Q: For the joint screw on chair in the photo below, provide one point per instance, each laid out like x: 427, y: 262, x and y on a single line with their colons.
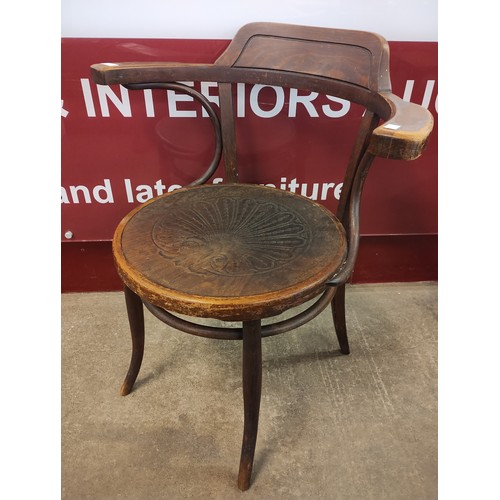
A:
x: 68, y: 235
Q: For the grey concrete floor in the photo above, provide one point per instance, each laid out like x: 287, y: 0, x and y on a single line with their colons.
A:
x: 362, y: 426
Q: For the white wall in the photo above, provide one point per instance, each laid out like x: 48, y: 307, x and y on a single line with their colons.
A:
x: 403, y: 20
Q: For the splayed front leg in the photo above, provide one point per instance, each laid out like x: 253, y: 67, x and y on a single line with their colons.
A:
x: 252, y: 383
x: 135, y: 313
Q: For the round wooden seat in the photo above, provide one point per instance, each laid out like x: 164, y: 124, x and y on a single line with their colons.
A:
x: 232, y: 251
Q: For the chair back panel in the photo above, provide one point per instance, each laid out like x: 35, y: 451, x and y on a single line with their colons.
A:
x: 348, y: 56
x: 315, y: 58
x: 350, y: 64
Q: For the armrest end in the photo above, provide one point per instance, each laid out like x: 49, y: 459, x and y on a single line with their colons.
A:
x: 405, y: 134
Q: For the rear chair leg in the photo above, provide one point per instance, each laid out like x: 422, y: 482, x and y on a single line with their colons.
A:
x: 135, y: 313
x: 338, y: 310
x: 252, y: 383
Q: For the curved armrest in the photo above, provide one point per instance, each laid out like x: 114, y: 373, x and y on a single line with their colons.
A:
x: 148, y: 72
x: 405, y: 133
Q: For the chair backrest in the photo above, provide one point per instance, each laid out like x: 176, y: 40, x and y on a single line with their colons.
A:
x: 264, y: 50
x: 351, y: 65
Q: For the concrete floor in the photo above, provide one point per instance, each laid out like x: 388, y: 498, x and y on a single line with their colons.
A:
x: 362, y: 426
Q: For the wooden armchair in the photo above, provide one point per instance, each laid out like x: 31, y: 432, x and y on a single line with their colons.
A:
x: 243, y: 252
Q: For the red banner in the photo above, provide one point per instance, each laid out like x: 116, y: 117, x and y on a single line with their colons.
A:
x: 120, y: 148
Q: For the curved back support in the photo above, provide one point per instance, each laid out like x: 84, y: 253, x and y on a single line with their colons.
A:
x: 345, y: 63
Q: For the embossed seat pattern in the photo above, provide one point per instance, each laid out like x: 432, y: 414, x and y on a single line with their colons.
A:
x: 232, y: 240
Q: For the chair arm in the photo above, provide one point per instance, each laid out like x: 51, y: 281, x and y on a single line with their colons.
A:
x: 149, y: 72
x: 405, y: 133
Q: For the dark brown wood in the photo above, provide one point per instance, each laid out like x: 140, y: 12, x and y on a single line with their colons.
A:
x: 234, y: 333
x: 357, y: 57
x: 135, y: 313
x: 252, y: 383
x: 228, y: 133
x: 242, y: 252
x: 338, y: 310
x: 352, y: 222
x: 405, y: 134
x: 368, y: 124
x: 138, y: 72
x: 347, y: 63
x: 211, y: 113
x: 233, y: 252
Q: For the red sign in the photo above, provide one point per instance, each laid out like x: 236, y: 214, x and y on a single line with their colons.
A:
x: 120, y: 147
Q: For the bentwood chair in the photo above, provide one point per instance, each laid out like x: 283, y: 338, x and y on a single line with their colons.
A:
x: 243, y: 252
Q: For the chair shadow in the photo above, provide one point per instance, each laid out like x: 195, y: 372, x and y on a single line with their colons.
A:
x: 154, y: 373
x: 296, y: 359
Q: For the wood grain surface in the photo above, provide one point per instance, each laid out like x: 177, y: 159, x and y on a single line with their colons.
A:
x: 229, y: 250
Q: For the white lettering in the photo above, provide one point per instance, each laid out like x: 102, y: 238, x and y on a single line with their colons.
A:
x: 338, y: 191
x: 305, y: 100
x: 205, y: 90
x: 408, y: 90
x: 293, y: 185
x: 108, y: 197
x: 426, y: 99
x: 121, y: 103
x: 128, y: 190
x: 254, y: 101
x: 173, y: 98
x: 144, y: 193
x: 64, y: 196
x: 325, y: 188
x: 103, y: 193
x: 64, y: 112
x: 159, y: 187
x: 74, y: 193
x: 261, y: 104
x: 240, y: 100
x: 427, y: 93
x: 87, y: 97
x: 148, y: 102
x: 336, y: 113
x: 314, y: 195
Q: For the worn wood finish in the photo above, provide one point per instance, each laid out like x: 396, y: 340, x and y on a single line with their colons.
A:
x: 234, y: 252
x: 356, y: 57
x: 234, y: 333
x: 350, y: 64
x: 229, y: 132
x: 369, y: 122
x: 135, y: 313
x: 242, y: 252
x: 252, y: 383
x: 405, y: 133
x: 338, y: 311
x: 352, y: 222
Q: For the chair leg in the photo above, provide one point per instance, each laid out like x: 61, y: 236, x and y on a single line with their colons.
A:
x: 252, y: 383
x: 338, y: 310
x: 135, y: 313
